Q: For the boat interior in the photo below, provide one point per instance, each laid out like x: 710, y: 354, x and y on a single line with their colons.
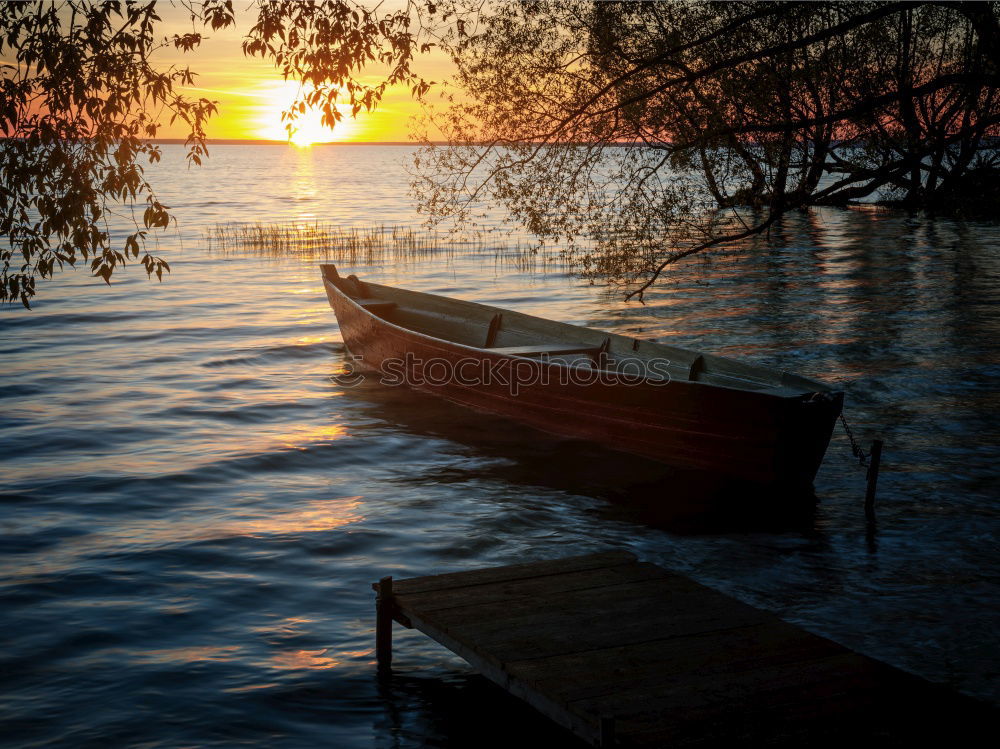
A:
x: 510, y: 333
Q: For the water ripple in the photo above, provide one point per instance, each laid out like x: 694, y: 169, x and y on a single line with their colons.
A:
x: 192, y: 511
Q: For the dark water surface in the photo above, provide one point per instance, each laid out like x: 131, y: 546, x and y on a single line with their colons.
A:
x: 192, y: 510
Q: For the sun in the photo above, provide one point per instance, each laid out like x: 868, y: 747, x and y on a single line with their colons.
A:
x: 309, y: 127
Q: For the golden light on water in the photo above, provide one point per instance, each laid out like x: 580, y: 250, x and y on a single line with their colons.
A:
x: 191, y: 654
x: 316, y: 660
x: 297, y: 659
x: 312, y: 517
x: 302, y: 660
x: 307, y: 437
x: 308, y: 127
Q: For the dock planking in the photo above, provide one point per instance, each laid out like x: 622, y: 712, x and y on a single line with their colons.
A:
x: 625, y: 653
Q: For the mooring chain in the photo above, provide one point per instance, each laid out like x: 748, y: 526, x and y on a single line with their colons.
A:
x: 860, y: 454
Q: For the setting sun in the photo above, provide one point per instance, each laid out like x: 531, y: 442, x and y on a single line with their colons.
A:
x: 308, y: 128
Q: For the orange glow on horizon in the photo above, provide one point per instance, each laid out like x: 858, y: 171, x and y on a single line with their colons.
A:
x: 308, y: 128
x: 251, y: 93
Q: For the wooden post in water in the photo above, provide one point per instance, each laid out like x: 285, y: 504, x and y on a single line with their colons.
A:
x: 383, y: 625
x: 874, y: 458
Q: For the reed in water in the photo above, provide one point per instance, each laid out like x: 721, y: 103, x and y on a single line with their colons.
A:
x: 371, y: 245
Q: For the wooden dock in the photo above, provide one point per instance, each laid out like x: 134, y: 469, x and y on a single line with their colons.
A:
x: 624, y: 653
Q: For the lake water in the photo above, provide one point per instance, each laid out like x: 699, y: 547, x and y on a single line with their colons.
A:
x: 192, y: 509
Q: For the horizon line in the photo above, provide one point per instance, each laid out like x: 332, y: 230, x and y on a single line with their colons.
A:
x: 269, y: 142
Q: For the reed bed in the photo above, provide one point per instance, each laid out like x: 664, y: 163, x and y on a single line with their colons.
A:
x: 371, y: 245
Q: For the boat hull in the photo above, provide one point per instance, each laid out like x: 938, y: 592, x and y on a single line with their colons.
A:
x: 753, y: 436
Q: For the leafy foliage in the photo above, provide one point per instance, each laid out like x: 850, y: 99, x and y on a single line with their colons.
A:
x: 327, y: 45
x: 80, y: 103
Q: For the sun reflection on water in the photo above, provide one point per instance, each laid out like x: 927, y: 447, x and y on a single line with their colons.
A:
x: 192, y: 654
x: 305, y: 437
x: 312, y: 660
x: 316, y: 660
x: 315, y: 516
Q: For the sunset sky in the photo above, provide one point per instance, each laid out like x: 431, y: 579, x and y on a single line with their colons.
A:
x: 252, y: 94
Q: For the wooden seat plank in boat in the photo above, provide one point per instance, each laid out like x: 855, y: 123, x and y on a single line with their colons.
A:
x: 554, y: 349
x: 376, y: 305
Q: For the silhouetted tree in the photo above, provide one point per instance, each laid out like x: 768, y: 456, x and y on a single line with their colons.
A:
x: 660, y: 130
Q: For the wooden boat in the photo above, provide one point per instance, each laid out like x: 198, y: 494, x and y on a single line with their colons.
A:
x: 678, y: 406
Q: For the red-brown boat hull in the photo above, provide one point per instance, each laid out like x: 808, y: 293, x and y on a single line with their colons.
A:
x: 747, y: 435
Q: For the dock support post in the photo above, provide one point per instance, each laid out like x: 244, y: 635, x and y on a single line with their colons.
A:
x: 607, y: 732
x: 383, y: 625
x: 874, y: 458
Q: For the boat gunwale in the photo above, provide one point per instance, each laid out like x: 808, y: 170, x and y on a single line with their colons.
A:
x: 766, y: 390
